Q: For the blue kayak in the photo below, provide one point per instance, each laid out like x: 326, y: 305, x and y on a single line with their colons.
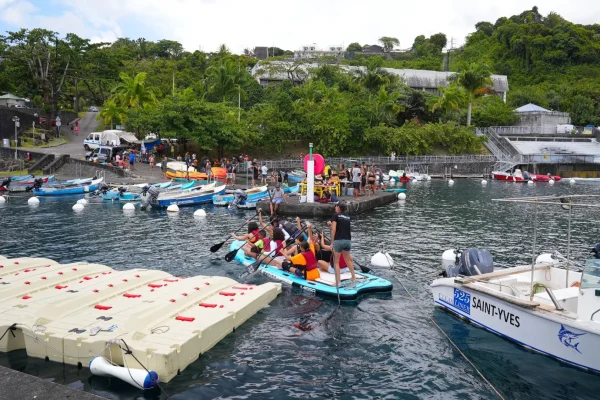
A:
x: 366, y: 283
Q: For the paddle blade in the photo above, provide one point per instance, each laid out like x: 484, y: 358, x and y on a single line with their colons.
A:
x: 217, y: 247
x: 365, y: 270
x: 254, y: 266
x: 231, y: 255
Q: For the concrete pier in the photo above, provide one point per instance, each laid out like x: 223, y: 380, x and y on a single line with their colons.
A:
x: 295, y: 208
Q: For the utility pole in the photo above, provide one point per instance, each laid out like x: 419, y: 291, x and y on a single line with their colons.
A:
x: 17, y: 124
x: 173, y: 83
x: 239, y: 93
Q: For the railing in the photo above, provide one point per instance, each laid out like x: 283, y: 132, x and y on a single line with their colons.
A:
x: 511, y: 130
x: 559, y: 159
x: 382, y: 161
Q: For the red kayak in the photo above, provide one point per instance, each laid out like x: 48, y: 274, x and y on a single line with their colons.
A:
x: 518, y: 176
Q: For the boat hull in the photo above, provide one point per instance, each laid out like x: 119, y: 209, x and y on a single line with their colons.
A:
x: 200, y: 198
x: 370, y: 283
x: 502, y: 176
x: 536, y: 330
x: 58, y: 191
x: 220, y: 200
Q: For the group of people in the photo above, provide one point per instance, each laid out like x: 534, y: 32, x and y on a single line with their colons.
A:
x: 302, y: 251
x: 362, y: 178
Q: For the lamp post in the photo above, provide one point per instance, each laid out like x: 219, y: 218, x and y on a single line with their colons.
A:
x: 310, y: 176
x: 17, y: 124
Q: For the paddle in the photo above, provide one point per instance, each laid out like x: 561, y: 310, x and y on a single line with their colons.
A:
x: 218, y: 246
x: 365, y: 270
x: 254, y: 266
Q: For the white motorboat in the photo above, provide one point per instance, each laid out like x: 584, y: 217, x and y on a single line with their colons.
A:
x: 546, y: 306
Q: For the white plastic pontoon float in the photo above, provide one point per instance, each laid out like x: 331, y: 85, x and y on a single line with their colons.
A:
x: 73, y: 313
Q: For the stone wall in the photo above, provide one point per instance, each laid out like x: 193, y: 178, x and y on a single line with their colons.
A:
x: 79, y: 168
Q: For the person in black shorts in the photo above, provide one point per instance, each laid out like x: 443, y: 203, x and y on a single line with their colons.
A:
x: 342, y: 240
x: 254, y: 173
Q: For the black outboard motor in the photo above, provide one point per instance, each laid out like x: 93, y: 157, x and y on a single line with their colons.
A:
x: 151, y: 193
x: 37, y: 184
x: 470, y: 263
x: 103, y: 188
x: 596, y: 250
x: 122, y: 191
x: 6, y: 183
x: 239, y: 196
x: 526, y: 176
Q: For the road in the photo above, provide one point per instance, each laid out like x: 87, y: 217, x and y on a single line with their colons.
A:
x: 74, y: 148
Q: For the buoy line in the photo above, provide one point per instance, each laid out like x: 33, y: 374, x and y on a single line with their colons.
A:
x: 448, y: 337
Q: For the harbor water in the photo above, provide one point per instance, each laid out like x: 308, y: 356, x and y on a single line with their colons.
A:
x: 382, y: 346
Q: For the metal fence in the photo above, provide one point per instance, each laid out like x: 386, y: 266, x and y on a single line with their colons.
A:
x: 380, y: 161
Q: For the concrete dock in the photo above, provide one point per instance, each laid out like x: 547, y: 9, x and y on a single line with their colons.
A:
x: 362, y: 204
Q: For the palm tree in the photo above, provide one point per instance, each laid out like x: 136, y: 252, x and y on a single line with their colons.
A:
x: 225, y: 80
x: 452, y: 99
x: 133, y: 92
x: 372, y: 77
x: 111, y: 112
x: 472, y: 78
x: 385, y: 107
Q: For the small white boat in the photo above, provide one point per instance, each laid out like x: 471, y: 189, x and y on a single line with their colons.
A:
x: 546, y: 306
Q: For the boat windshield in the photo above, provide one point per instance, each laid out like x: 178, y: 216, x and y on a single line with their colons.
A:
x: 590, y: 277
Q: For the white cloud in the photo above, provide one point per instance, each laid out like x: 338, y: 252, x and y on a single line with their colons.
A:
x: 286, y: 24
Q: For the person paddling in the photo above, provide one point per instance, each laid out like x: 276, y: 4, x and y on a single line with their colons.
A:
x: 342, y: 240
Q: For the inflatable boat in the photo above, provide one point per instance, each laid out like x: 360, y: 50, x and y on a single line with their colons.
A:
x: 325, y: 285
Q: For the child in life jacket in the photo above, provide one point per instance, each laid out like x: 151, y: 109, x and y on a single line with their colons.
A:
x: 251, y: 236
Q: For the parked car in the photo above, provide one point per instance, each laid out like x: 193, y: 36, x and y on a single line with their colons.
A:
x: 93, y: 109
x: 43, y: 121
x: 19, y: 106
x: 104, y: 153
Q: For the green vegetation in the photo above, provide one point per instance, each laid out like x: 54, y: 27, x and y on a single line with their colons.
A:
x: 212, y: 99
x: 549, y: 61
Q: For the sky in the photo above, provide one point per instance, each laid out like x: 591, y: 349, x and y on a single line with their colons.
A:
x: 205, y: 24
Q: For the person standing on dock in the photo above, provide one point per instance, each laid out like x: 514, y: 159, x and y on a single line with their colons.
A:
x: 342, y: 239
x: 264, y: 171
x: 355, y: 181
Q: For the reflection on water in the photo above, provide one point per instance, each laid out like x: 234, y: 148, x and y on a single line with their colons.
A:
x: 303, y: 346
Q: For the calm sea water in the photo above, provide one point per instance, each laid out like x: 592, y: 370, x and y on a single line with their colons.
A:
x: 382, y: 347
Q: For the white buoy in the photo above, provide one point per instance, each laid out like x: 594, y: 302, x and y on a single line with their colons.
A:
x: 382, y: 260
x: 484, y: 182
x: 137, y: 377
x: 33, y: 201
x: 82, y: 201
x: 450, y: 182
x: 551, y: 182
x: 2, y: 200
x: 128, y: 207
x: 572, y: 181
x: 78, y: 207
x: 173, y: 208
x: 401, y: 196
x: 530, y: 182
x: 428, y: 177
x: 200, y: 213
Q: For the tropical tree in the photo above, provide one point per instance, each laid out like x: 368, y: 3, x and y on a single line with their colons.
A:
x: 452, y: 99
x: 111, y: 112
x: 354, y: 48
x: 133, y: 92
x: 472, y: 78
x: 388, y: 43
x: 372, y: 76
x: 226, y: 79
x: 385, y: 107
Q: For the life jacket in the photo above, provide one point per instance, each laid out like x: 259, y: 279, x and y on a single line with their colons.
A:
x: 279, y: 247
x: 311, y: 260
x: 254, y: 238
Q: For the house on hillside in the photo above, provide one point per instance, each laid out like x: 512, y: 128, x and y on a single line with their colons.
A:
x: 10, y: 100
x: 312, y: 51
x: 539, y: 120
x: 373, y: 49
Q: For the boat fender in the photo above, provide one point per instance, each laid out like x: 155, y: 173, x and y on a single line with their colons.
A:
x: 136, y: 377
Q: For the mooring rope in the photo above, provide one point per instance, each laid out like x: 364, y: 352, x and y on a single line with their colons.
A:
x: 445, y: 334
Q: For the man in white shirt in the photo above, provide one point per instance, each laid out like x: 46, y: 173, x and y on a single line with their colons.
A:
x: 356, y: 181
x: 264, y: 171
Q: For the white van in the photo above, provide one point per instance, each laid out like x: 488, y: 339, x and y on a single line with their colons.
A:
x: 566, y: 128
x: 95, y: 139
